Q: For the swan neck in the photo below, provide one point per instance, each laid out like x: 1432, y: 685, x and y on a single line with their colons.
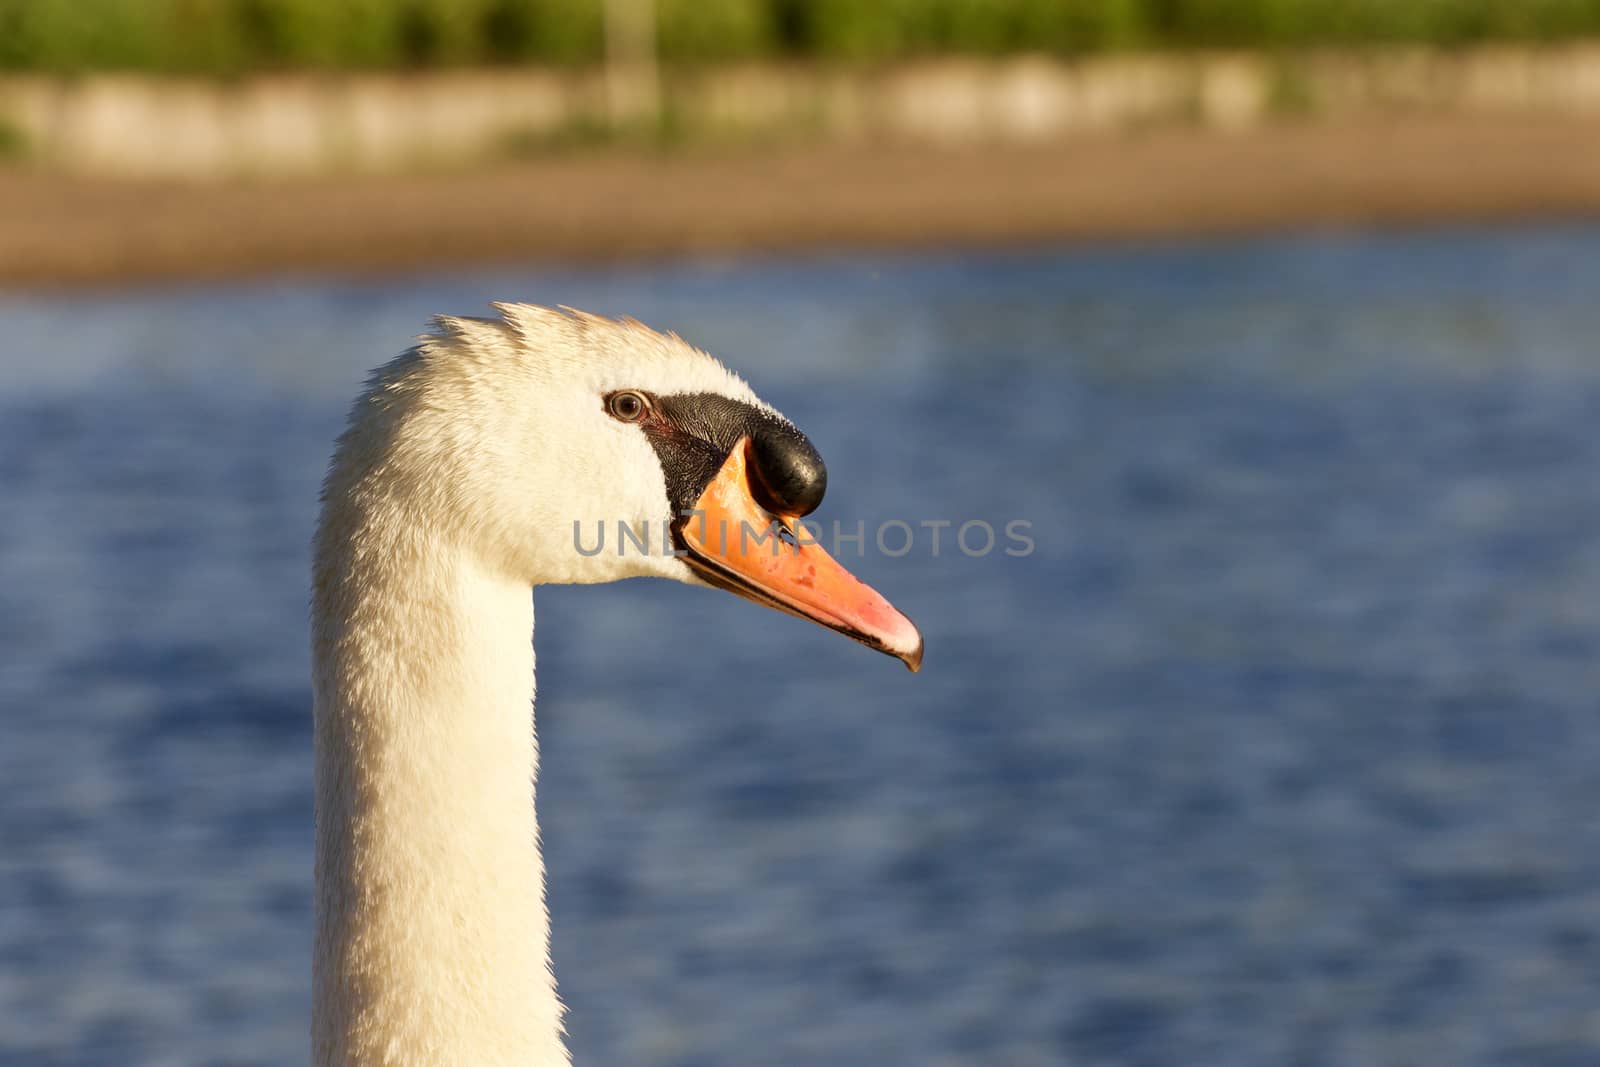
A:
x: 432, y: 941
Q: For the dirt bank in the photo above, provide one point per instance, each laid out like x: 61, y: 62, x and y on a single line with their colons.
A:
x: 56, y: 230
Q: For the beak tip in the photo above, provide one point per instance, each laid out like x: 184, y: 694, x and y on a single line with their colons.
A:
x: 912, y: 657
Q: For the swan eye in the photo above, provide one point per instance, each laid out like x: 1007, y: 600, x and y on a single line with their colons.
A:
x: 627, y: 406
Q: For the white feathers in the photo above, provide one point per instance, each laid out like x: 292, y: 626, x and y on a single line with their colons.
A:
x: 564, y: 344
x: 467, y: 463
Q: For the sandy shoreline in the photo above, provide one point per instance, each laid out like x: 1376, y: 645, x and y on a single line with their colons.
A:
x: 56, y: 230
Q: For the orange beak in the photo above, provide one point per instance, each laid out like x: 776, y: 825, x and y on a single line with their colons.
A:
x: 736, y: 544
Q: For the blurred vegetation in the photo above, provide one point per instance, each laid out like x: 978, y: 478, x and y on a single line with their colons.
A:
x: 236, y: 36
x: 13, y: 142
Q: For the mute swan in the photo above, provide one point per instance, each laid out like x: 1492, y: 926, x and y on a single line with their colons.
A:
x: 454, y: 489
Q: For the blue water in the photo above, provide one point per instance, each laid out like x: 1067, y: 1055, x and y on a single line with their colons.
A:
x: 1279, y: 749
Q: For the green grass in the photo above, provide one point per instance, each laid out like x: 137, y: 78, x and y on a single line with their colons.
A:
x: 224, y: 37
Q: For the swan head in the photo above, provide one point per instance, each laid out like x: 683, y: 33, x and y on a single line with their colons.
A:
x: 562, y: 447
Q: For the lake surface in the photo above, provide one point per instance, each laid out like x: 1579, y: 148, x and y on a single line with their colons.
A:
x: 1280, y: 747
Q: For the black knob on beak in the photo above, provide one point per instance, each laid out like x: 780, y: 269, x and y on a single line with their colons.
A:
x: 789, y: 471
